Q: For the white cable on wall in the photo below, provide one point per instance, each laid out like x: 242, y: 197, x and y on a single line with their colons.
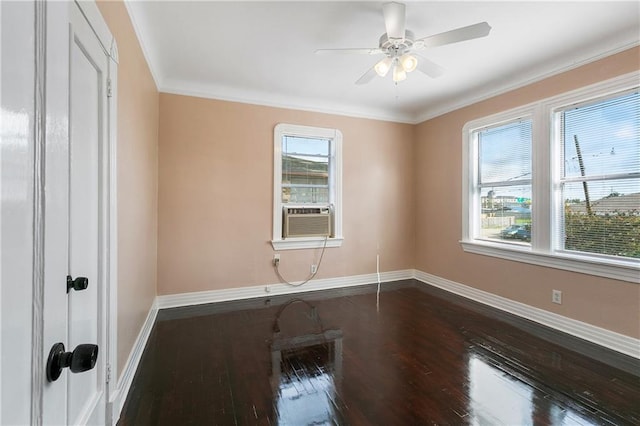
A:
x: 378, y: 274
x: 277, y: 265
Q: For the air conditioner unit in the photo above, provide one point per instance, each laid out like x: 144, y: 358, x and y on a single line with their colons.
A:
x: 307, y: 222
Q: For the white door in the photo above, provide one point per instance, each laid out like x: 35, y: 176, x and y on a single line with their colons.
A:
x: 76, y: 229
x: 57, y: 216
x: 16, y: 209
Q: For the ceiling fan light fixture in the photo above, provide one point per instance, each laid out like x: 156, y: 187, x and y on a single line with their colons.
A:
x: 383, y: 67
x: 408, y: 62
x: 399, y: 73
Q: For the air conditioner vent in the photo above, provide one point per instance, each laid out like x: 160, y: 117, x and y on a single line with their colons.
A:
x: 306, y: 222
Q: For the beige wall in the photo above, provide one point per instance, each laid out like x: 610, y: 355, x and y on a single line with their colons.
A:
x: 137, y: 180
x: 216, y: 186
x: 606, y: 303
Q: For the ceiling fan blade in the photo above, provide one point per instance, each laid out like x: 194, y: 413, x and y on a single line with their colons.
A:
x: 429, y: 67
x: 394, y: 19
x: 470, y: 32
x: 367, y: 76
x: 358, y: 51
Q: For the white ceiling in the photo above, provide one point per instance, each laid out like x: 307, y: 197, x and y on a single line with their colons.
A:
x: 263, y: 52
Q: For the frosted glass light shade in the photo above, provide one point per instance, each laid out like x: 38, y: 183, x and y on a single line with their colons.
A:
x: 409, y: 62
x: 382, y: 67
x: 399, y: 73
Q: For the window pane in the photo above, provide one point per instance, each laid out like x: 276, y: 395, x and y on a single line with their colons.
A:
x: 609, y: 223
x: 304, y: 195
x: 297, y: 170
x: 506, y: 213
x: 602, y: 139
x: 607, y: 135
x: 505, y: 152
x: 312, y: 146
x: 305, y: 163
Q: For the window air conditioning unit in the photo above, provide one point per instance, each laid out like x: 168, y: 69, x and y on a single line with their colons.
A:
x: 307, y: 222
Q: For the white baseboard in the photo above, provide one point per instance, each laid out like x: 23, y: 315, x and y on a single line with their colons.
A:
x: 600, y: 336
x: 201, y: 297
x: 118, y: 399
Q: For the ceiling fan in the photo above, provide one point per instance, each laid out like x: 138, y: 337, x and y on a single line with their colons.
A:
x: 399, y: 46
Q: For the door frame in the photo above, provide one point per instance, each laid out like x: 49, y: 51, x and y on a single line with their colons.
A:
x: 96, y: 21
x: 43, y: 67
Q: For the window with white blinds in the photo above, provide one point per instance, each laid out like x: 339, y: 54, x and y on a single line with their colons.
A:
x: 600, y: 176
x: 557, y: 182
x: 305, y: 170
x: 504, y: 181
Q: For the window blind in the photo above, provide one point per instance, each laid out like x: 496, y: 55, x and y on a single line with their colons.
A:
x: 504, y: 181
x: 600, y: 176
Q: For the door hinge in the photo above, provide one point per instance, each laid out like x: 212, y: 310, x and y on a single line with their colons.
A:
x: 108, y: 375
x: 109, y: 91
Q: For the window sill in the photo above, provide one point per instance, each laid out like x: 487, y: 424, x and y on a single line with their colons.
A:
x: 624, y: 270
x: 305, y: 243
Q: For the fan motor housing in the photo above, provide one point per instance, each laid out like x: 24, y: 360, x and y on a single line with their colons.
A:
x: 395, y: 44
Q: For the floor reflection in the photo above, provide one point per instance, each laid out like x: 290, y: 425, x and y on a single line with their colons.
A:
x: 335, y: 358
x: 306, y: 368
x: 498, y: 396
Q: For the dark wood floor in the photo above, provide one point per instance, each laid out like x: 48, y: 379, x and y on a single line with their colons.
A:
x: 421, y: 357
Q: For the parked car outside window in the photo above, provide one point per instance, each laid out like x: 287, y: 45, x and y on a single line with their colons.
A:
x: 524, y: 233
x: 510, y: 231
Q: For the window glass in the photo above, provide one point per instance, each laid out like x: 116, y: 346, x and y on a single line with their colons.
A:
x: 504, y: 182
x: 505, y: 152
x: 506, y: 213
x: 600, y: 184
x: 305, y: 170
x: 606, y: 133
x: 609, y: 224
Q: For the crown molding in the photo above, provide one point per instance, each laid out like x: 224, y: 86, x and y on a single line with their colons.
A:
x: 274, y: 100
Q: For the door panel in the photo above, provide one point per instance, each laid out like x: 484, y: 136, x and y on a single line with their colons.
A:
x: 74, y: 220
x: 87, y: 83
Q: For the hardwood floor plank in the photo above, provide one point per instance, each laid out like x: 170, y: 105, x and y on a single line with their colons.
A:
x: 336, y: 357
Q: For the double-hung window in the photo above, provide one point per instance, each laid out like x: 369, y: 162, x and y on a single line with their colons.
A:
x: 305, y: 170
x: 307, y: 180
x: 599, y: 143
x: 504, y: 181
x: 557, y: 182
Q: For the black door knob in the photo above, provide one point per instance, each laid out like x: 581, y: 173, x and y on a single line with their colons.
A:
x: 78, y: 284
x: 82, y: 358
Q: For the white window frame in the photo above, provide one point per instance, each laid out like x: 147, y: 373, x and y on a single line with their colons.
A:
x: 543, y: 249
x: 335, y: 186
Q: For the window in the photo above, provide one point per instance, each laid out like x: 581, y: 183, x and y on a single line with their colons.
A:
x: 599, y: 179
x: 504, y: 181
x: 305, y: 170
x: 557, y: 183
x: 307, y: 174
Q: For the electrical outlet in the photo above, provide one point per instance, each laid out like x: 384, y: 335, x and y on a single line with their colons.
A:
x: 276, y: 259
x: 314, y: 268
x: 556, y: 297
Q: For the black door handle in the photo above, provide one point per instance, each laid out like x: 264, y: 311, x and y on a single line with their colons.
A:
x: 78, y: 284
x: 82, y: 358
